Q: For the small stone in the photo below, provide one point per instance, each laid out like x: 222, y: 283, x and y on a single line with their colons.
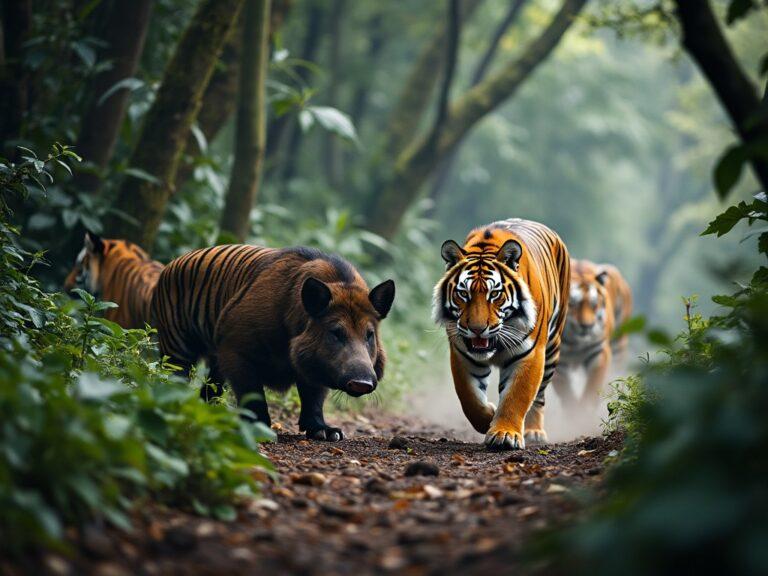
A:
x: 205, y: 529
x: 376, y: 486
x: 96, y: 543
x: 422, y: 468
x: 509, y: 499
x: 339, y: 511
x: 594, y: 471
x: 398, y: 443
x: 515, y: 457
x: 310, y: 479
x: 180, y: 538
x: 263, y: 504
x: 263, y: 535
x: 56, y: 565
x: 243, y: 554
x: 110, y: 569
x: 432, y: 492
x: 556, y: 489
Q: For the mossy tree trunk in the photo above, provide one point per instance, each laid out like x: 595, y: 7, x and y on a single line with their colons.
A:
x: 123, y: 35
x: 402, y: 185
x: 705, y: 42
x: 251, y: 122
x: 168, y: 121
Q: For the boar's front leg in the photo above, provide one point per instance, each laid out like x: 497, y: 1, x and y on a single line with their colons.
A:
x: 311, y: 417
x: 239, y: 372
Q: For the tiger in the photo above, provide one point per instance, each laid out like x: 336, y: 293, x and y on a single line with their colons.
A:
x: 600, y: 301
x: 116, y: 271
x: 503, y: 302
x: 270, y: 318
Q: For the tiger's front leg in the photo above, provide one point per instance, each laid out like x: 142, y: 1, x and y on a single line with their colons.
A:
x: 518, y: 387
x: 471, y: 382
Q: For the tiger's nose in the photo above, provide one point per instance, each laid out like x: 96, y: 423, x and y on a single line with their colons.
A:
x: 476, y: 329
x: 587, y: 327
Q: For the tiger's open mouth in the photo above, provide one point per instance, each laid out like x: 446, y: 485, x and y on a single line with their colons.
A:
x: 479, y: 344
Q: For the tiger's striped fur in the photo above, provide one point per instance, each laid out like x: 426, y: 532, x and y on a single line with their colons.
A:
x: 503, y: 302
x: 265, y: 317
x: 116, y: 271
x: 600, y: 301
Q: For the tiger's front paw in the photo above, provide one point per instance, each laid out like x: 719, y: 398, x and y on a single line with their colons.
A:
x: 499, y: 438
x: 535, y: 436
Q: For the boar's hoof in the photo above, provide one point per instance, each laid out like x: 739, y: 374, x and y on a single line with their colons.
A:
x: 328, y: 433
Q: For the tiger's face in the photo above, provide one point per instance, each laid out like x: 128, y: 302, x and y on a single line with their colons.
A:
x: 588, y: 303
x: 482, y: 301
x: 86, y: 272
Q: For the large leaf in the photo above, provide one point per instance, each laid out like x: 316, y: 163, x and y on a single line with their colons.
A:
x: 334, y: 121
x: 130, y: 84
x: 728, y: 170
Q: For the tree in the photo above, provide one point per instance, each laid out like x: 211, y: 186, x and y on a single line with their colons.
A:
x: 446, y: 167
x: 704, y: 41
x: 144, y: 194
x: 251, y: 121
x: 123, y: 34
x: 15, y: 21
x: 400, y: 187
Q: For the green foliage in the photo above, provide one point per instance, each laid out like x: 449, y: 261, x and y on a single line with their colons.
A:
x: 92, y: 420
x: 689, y: 492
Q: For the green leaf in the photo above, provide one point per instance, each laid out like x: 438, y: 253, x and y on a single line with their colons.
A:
x: 725, y: 300
x: 723, y: 223
x: 90, y: 386
x: 631, y: 326
x: 306, y: 120
x: 659, y: 337
x: 335, y: 121
x: 728, y: 170
x: 130, y: 84
x: 85, y: 52
x: 141, y: 175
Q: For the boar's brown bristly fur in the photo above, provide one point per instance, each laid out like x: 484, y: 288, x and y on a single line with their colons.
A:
x: 267, y: 317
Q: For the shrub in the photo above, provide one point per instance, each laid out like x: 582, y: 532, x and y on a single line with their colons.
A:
x: 92, y: 419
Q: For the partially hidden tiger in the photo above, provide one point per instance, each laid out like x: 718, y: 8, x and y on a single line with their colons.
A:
x: 503, y: 302
x: 269, y: 318
x: 116, y: 271
x: 600, y: 301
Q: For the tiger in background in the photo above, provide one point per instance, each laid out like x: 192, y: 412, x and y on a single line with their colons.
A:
x: 600, y: 302
x: 116, y: 271
x: 503, y: 301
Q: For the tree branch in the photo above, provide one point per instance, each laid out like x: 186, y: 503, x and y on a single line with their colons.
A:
x: 415, y: 163
x: 705, y: 43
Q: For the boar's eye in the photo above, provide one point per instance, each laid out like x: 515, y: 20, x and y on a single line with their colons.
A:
x: 339, y: 334
x: 369, y: 336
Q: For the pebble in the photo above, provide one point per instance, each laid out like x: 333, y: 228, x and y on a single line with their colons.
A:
x: 422, y: 468
x: 376, y: 486
x: 398, y: 443
x: 309, y: 479
x: 180, y: 538
x: 96, y: 543
x: 515, y: 457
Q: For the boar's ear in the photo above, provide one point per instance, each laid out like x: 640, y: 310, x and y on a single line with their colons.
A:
x: 451, y: 253
x: 93, y: 243
x: 315, y: 296
x: 382, y: 297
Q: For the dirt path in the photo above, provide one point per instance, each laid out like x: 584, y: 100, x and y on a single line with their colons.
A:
x: 354, y: 508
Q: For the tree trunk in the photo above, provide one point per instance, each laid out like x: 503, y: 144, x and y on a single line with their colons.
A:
x: 414, y: 100
x: 331, y: 152
x: 375, y: 34
x: 401, y: 188
x: 445, y: 169
x: 308, y: 54
x: 251, y: 122
x: 220, y: 97
x: 705, y: 43
x: 124, y: 33
x: 168, y: 121
x: 15, y: 21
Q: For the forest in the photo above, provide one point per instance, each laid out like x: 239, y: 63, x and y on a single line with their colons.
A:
x: 205, y: 202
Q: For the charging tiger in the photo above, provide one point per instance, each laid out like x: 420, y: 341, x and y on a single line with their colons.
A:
x: 116, y: 271
x: 600, y: 301
x: 503, y: 302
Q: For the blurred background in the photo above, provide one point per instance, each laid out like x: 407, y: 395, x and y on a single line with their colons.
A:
x: 387, y: 128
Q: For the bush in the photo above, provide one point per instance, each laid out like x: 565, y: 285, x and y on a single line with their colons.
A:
x: 689, y: 493
x: 92, y: 420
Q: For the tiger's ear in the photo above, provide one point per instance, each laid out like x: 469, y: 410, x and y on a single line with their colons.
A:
x: 510, y: 253
x: 93, y: 243
x: 602, y: 277
x: 451, y: 253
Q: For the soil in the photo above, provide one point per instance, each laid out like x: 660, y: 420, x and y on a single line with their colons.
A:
x: 397, y: 496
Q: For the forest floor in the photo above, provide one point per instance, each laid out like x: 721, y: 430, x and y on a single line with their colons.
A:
x: 397, y: 496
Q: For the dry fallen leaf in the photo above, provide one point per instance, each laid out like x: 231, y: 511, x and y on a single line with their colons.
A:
x: 584, y: 452
x: 309, y: 479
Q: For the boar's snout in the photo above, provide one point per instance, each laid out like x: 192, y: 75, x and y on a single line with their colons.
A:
x: 360, y: 386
